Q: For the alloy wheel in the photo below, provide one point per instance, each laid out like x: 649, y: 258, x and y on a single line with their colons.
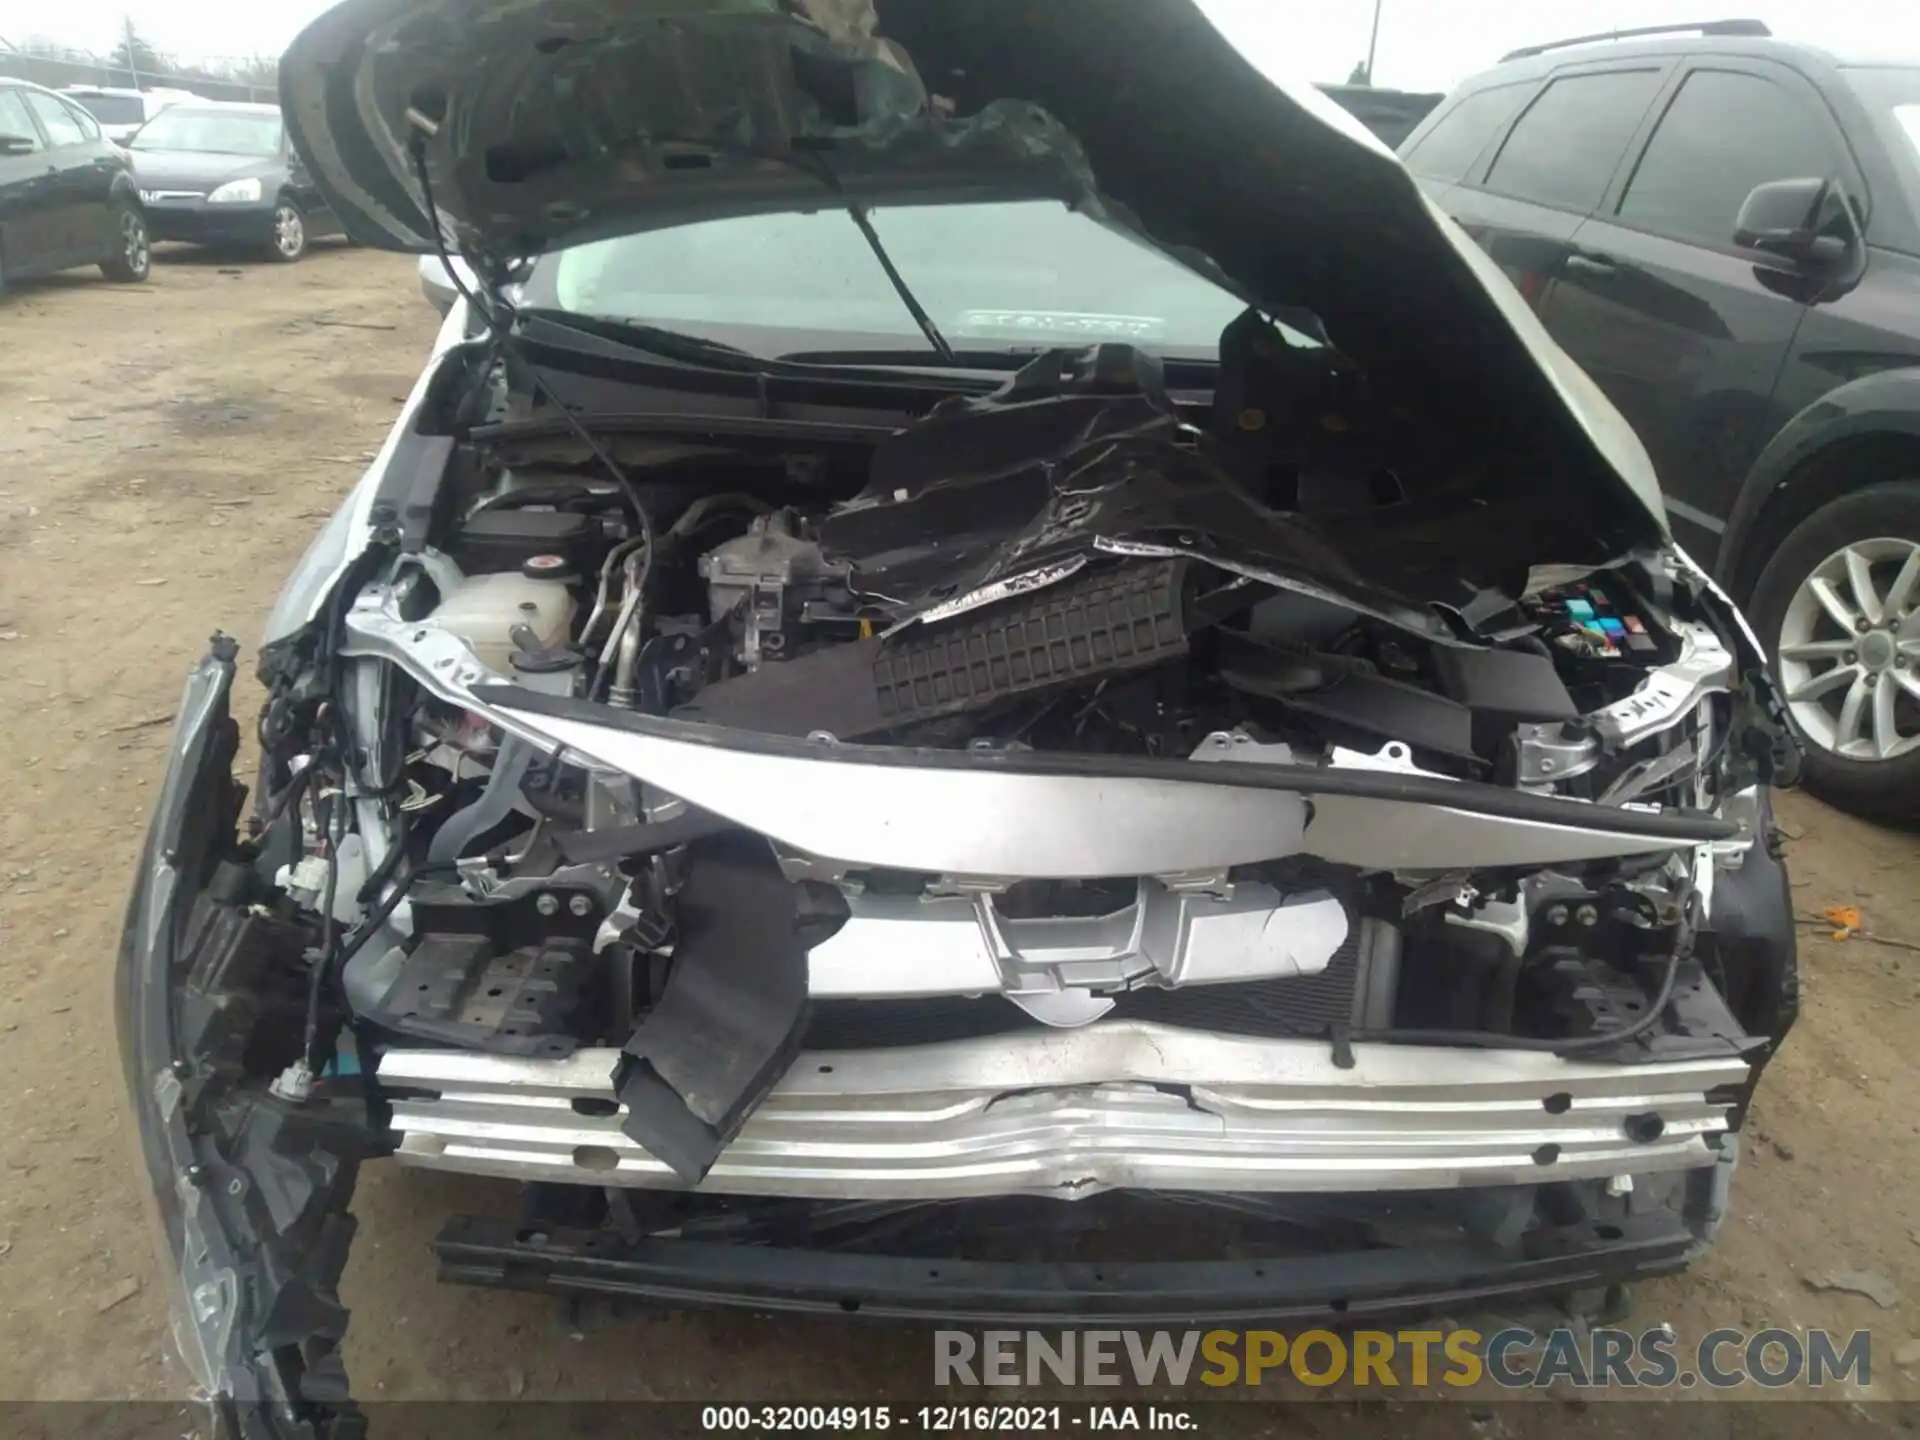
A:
x: 1849, y: 651
x: 289, y: 232
x: 135, y: 249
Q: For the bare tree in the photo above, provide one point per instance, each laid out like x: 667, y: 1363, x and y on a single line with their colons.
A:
x: 262, y: 72
x: 137, y: 58
x: 50, y: 49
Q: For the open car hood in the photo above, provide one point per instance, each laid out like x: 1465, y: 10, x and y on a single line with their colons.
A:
x: 545, y: 123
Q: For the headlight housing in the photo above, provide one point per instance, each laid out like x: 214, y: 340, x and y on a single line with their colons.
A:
x: 236, y: 192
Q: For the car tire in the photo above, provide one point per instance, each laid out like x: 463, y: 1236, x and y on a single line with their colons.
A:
x: 1838, y: 608
x: 289, y: 240
x: 132, y: 259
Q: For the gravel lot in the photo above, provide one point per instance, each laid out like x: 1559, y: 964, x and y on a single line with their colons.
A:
x: 166, y: 451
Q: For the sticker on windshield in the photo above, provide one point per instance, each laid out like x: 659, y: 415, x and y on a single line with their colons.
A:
x: 1065, y: 322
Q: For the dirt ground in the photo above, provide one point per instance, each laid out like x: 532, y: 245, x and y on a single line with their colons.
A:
x: 166, y: 451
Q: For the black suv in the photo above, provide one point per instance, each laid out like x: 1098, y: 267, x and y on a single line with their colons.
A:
x: 66, y: 194
x: 1723, y: 229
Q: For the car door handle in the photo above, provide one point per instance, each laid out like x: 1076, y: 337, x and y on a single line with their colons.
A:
x: 1582, y: 263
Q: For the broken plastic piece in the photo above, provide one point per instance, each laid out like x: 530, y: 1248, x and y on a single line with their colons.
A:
x: 733, y: 1012
x: 1341, y: 1034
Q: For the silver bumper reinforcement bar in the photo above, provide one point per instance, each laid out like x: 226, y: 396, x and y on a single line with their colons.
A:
x: 1071, y: 1113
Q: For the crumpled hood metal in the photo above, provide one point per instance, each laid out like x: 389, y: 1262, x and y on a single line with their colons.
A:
x: 552, y: 122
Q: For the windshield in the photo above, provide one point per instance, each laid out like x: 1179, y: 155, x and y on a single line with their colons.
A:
x: 1892, y: 92
x: 1024, y: 273
x: 112, y: 109
x: 217, y: 132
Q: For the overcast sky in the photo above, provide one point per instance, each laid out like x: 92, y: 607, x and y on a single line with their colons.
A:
x: 1424, y: 44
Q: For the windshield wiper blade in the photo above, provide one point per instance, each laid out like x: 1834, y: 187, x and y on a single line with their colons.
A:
x: 651, y: 342
x: 1183, y: 373
x: 668, y: 344
x: 1012, y: 358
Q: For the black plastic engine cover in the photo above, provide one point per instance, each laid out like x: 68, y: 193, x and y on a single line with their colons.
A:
x: 1345, y: 692
x: 1102, y: 622
x: 1509, y: 684
x: 947, y: 497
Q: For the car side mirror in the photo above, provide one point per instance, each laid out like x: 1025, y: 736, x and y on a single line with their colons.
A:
x: 1809, y: 221
x: 17, y: 145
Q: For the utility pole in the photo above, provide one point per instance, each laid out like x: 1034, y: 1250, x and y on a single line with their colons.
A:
x: 1373, y: 40
x: 133, y: 61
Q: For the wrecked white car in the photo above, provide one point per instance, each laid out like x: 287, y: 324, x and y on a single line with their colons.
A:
x: 983, y: 631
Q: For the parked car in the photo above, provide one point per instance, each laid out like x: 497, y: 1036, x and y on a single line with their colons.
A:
x: 66, y: 194
x: 220, y: 173
x: 1125, y: 671
x: 121, y: 111
x: 1724, y: 230
x: 437, y: 280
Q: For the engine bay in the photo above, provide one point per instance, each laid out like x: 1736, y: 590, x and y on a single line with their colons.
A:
x: 778, y: 628
x: 958, y: 587
x: 514, y: 782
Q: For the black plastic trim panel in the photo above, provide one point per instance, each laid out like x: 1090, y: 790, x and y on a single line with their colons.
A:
x: 1336, y: 1286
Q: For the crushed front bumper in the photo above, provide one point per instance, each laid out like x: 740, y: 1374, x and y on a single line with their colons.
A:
x: 1071, y: 1113
x: 1405, y: 1178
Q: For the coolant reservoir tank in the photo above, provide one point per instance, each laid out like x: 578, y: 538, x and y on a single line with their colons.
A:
x: 486, y: 609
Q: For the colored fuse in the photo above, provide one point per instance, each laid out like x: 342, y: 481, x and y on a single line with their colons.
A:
x: 1634, y: 624
x: 1579, y: 610
x: 1612, y: 626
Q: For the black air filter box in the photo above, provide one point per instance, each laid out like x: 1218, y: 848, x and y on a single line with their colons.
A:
x: 1098, y: 623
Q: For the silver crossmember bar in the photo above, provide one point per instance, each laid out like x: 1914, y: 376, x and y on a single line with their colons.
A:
x: 1070, y: 1113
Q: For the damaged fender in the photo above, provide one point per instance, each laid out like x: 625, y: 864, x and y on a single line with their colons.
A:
x: 250, y: 1191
